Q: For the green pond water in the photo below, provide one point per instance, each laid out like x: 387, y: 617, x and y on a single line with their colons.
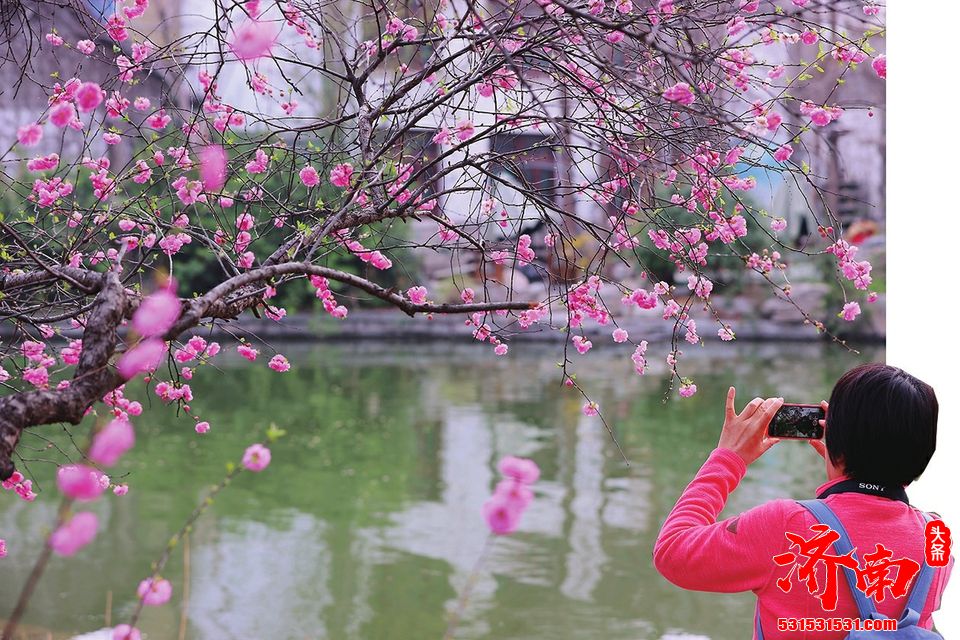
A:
x: 367, y: 522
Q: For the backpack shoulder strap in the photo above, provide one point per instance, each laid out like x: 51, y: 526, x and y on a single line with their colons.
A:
x: 825, y: 515
x: 921, y: 584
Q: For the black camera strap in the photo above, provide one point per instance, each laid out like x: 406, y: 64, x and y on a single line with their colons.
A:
x: 869, y: 488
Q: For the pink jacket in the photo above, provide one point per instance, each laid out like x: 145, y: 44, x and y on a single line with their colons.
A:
x: 694, y: 551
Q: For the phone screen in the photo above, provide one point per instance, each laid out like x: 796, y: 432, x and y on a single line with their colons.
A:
x: 797, y: 421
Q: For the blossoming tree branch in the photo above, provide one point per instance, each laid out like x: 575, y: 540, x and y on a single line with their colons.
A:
x: 342, y: 143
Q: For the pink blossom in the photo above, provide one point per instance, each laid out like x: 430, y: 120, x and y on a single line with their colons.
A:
x: 63, y: 114
x: 340, y: 175
x: 417, y: 295
x: 809, y: 37
x: 501, y: 349
x: 275, y: 313
x: 86, y: 47
x: 259, y: 162
x: 516, y: 493
x: 22, y: 486
x: 256, y: 457
x: 213, y: 167
x: 620, y: 335
x: 3, y: 548
x: 121, y: 489
x: 141, y: 103
x: 582, y: 344
x: 74, y: 534
x: 465, y: 130
x: 111, y: 442
x: 687, y: 390
x: 279, y: 363
x: 642, y: 298
x: 520, y: 469
x: 736, y: 25
x: 820, y: 117
x: 12, y: 481
x: 37, y: 376
x: 252, y: 39
x: 880, y: 65
x: 126, y: 68
x: 89, y: 96
x: 247, y: 352
x: 141, y: 50
x: 154, y: 592
x: 79, y: 482
x: 245, y: 222
x: 502, y: 514
x: 525, y: 255
x: 778, y: 224
x: 117, y: 28
x: 213, y: 349
x: 733, y: 155
x: 783, y: 153
x: 202, y: 427
x: 700, y: 285
x: 54, y: 39
x: 156, y: 313
x: 872, y: 296
x: 71, y: 353
x: 310, y: 177
x: 143, y: 172
x: 43, y: 163
x: 30, y: 134
x: 116, y: 104
x: 125, y: 632
x: 159, y: 120
x: 850, y: 311
x: 173, y: 243
x: 33, y: 351
x: 679, y: 93
x: 591, y: 409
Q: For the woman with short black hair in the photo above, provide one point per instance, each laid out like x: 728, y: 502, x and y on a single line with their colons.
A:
x: 880, y: 433
x: 886, y: 424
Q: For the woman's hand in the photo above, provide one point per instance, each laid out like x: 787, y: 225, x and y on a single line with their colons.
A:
x: 746, y: 434
x: 820, y: 446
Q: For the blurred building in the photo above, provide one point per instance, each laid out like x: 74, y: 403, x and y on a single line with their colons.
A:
x: 847, y: 158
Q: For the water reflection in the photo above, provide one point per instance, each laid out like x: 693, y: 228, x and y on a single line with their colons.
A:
x: 367, y: 523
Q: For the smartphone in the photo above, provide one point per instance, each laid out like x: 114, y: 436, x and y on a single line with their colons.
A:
x: 797, y: 421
